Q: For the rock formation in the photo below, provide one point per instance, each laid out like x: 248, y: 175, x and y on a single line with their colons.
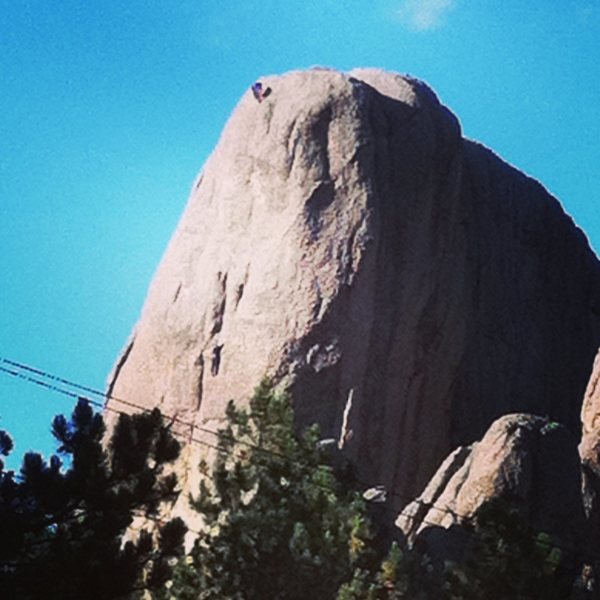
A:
x: 590, y: 420
x: 589, y: 450
x: 528, y: 461
x: 345, y: 239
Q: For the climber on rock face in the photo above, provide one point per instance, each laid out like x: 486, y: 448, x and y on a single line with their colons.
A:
x: 216, y: 359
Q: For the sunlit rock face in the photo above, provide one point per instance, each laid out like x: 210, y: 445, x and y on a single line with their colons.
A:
x: 590, y: 420
x: 407, y: 284
x: 589, y: 450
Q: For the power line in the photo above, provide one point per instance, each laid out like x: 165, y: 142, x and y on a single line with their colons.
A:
x: 55, y: 388
x: 47, y: 375
x: 189, y: 438
x: 41, y: 383
x: 95, y: 392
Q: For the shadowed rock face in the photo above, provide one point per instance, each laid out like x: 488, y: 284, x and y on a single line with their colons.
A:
x: 344, y: 238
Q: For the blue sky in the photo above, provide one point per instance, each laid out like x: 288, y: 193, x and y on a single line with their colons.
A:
x: 109, y: 109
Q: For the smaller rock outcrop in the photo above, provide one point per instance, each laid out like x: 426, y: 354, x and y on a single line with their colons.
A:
x: 526, y: 460
x: 589, y: 448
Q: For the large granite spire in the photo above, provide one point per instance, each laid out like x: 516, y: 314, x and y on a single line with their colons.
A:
x: 345, y: 239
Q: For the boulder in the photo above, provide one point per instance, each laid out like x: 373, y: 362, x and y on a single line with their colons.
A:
x: 589, y: 450
x: 590, y: 421
x: 529, y: 462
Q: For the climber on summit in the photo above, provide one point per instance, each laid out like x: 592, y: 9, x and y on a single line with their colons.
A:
x: 257, y: 90
x: 260, y: 92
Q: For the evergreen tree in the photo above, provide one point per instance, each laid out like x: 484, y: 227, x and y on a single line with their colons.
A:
x: 62, y: 528
x: 507, y: 559
x: 279, y: 525
x: 504, y: 559
x: 405, y: 574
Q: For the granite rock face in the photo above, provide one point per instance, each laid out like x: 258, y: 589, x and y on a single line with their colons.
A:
x: 528, y: 461
x: 407, y: 284
x: 590, y: 420
x: 589, y: 450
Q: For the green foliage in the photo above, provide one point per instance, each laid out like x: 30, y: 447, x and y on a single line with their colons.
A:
x: 504, y: 560
x: 508, y: 560
x: 6, y: 445
x: 62, y: 528
x: 278, y: 523
x: 405, y: 574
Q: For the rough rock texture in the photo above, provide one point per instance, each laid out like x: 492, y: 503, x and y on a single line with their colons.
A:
x: 589, y: 450
x: 529, y: 461
x: 344, y: 238
x: 590, y: 420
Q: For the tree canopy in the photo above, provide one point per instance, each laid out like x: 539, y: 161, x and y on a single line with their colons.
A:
x: 278, y: 521
x: 63, y: 521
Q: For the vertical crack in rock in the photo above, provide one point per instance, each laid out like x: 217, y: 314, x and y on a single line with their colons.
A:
x: 114, y: 376
x: 320, y: 197
x: 219, y: 304
x: 200, y: 386
x: 346, y: 433
x: 176, y: 295
x: 319, y: 143
x: 268, y: 109
x: 239, y: 291
x: 292, y: 141
x: 317, y: 314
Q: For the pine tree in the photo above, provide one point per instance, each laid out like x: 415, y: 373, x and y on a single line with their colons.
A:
x: 62, y: 527
x: 503, y: 559
x: 507, y: 559
x: 279, y: 525
x: 404, y: 574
